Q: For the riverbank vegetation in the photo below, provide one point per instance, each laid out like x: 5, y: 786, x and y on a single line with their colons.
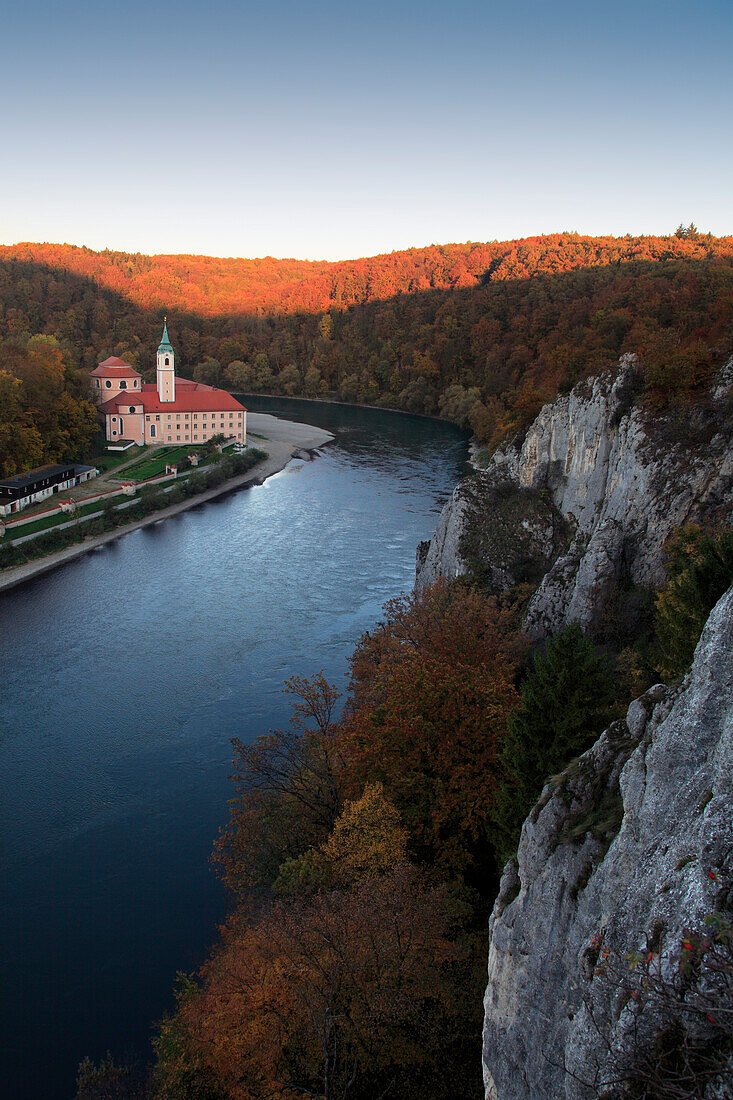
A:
x: 482, y: 334
x: 152, y: 498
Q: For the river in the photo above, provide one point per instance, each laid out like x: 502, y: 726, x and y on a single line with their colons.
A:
x: 123, y: 677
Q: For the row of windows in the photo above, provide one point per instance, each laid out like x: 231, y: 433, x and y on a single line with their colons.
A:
x: 195, y: 416
x: 178, y: 416
x: 169, y: 438
x: 188, y: 439
x: 122, y: 383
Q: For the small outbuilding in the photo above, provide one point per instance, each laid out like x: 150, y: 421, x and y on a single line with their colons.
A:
x: 22, y: 490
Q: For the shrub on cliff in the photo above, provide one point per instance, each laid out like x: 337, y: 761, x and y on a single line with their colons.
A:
x: 680, y: 1042
x: 700, y: 570
x: 566, y: 701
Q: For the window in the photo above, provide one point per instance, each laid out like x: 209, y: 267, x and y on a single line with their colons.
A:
x: 186, y: 416
x: 178, y: 416
x: 123, y: 384
x: 108, y: 384
x: 114, y: 433
x: 157, y: 416
x: 167, y: 360
x: 132, y: 408
x: 147, y: 418
x: 152, y: 431
x: 114, y: 419
x: 195, y: 437
x: 97, y: 383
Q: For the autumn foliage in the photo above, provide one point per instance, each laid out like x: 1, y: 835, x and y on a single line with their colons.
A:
x: 362, y: 848
x: 45, y: 414
x: 351, y: 966
x: 432, y: 691
x: 287, y: 790
x: 367, y: 840
x: 208, y: 285
x: 338, y: 994
x: 482, y: 334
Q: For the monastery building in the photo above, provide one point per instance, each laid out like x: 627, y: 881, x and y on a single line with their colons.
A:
x: 173, y: 410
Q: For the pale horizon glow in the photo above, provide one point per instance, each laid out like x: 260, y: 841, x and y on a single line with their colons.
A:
x: 339, y: 132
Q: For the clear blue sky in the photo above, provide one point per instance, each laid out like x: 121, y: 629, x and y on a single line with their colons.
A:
x: 335, y: 129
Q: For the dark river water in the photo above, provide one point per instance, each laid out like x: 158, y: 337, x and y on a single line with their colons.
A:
x: 123, y: 677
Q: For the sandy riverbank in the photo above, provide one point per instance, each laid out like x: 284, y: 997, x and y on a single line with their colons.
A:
x: 282, y: 439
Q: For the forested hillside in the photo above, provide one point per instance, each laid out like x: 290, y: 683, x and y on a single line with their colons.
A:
x: 482, y: 334
x: 212, y: 286
x: 45, y: 414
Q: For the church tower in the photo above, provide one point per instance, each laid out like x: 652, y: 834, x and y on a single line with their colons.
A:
x: 166, y: 367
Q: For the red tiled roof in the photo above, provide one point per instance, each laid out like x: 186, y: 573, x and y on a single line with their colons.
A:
x: 190, y: 397
x: 186, y: 383
x: 115, y: 368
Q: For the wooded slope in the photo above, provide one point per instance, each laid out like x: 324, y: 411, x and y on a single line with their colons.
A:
x: 482, y: 334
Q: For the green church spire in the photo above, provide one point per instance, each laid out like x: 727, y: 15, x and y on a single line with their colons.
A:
x: 165, y: 344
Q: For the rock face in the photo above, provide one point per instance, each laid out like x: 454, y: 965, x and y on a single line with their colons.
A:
x: 597, y: 467
x: 632, y: 844
x: 524, y: 536
x: 441, y: 557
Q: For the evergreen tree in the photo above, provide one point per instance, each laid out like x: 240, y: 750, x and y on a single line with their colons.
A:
x: 700, y: 570
x: 565, y: 703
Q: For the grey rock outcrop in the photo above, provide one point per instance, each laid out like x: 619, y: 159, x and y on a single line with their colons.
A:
x: 525, y: 533
x: 633, y: 843
x: 620, y: 483
x: 441, y: 557
x: 723, y: 385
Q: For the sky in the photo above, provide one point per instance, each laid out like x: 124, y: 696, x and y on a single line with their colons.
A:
x: 332, y: 130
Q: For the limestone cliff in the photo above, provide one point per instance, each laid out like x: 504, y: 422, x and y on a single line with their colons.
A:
x: 586, y: 500
x: 631, y: 845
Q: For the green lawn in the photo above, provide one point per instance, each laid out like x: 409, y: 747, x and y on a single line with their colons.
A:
x: 59, y: 517
x: 112, y: 459
x: 156, y: 464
